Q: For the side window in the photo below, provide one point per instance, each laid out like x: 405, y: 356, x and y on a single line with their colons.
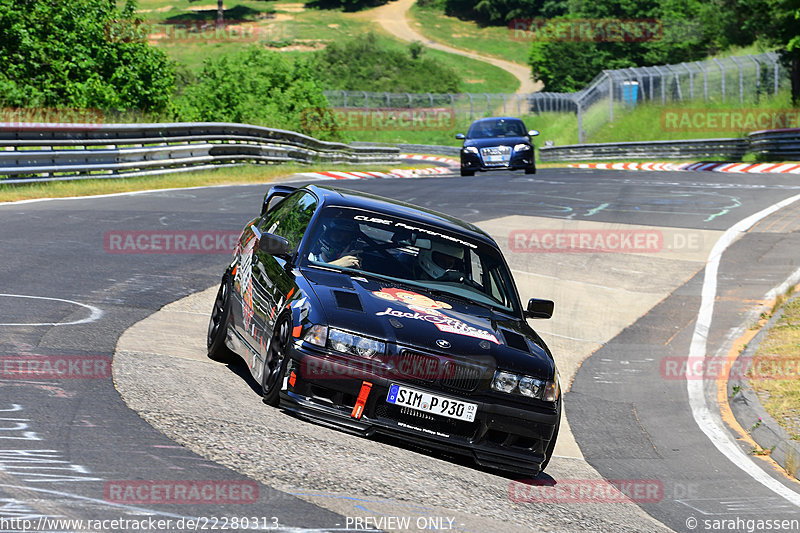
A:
x: 291, y: 218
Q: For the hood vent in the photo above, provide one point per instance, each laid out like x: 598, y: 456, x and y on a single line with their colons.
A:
x: 515, y: 340
x: 348, y: 300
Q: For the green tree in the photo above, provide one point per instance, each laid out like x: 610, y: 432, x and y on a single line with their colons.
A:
x: 80, y: 53
x: 783, y: 30
x: 681, y: 34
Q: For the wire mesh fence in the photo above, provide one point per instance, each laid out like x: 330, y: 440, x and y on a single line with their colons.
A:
x: 732, y: 79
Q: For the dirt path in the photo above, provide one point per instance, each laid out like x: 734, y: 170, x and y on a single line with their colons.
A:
x: 393, y: 18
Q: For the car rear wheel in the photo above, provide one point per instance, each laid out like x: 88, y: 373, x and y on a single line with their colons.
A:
x: 275, y: 362
x: 467, y: 172
x: 218, y: 324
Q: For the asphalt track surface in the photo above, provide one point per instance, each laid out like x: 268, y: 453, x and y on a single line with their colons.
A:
x: 64, y: 442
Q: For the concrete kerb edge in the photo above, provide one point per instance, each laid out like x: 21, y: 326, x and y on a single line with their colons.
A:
x: 748, y: 411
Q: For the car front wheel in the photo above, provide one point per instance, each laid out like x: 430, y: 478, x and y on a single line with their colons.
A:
x: 467, y: 172
x: 275, y: 362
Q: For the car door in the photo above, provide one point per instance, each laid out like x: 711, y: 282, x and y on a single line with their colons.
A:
x: 272, y: 282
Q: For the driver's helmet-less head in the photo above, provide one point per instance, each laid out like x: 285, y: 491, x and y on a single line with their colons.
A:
x: 336, y: 236
x: 440, y: 258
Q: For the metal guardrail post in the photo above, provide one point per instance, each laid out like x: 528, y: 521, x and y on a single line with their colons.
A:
x: 691, y: 80
x: 741, y: 79
x: 722, y: 78
x: 758, y: 76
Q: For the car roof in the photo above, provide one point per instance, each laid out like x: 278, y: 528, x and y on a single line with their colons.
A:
x: 336, y: 196
x: 495, y: 119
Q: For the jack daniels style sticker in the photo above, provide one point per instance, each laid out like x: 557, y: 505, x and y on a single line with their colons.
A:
x: 428, y: 310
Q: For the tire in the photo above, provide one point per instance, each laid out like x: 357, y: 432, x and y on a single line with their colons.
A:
x: 530, y: 170
x: 467, y: 172
x: 275, y: 362
x: 218, y: 324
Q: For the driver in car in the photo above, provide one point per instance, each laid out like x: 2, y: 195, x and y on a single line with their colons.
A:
x: 338, y: 244
x: 442, y: 262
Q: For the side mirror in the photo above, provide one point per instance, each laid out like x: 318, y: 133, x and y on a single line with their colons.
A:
x: 274, y: 245
x: 275, y: 194
x: 460, y: 136
x: 539, y: 308
x: 533, y: 133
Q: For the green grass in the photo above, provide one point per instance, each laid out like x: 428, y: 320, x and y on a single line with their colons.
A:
x: 645, y: 122
x: 781, y: 350
x: 222, y: 176
x: 493, y: 41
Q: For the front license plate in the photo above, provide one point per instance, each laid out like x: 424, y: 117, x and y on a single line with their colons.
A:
x: 431, y: 403
x: 496, y: 158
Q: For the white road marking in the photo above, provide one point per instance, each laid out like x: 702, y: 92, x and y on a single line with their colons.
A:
x: 96, y: 312
x: 708, y: 422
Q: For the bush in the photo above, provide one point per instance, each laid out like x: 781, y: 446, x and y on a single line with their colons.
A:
x: 254, y: 86
x: 363, y: 64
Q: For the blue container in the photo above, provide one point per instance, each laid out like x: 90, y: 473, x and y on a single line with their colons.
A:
x: 630, y: 93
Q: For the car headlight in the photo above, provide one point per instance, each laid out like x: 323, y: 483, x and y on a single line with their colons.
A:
x: 528, y: 386
x: 505, y: 382
x: 531, y: 387
x: 471, y: 149
x: 345, y: 342
x: 522, y: 147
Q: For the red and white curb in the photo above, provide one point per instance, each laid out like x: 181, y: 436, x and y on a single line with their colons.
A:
x: 395, y: 173
x: 440, y: 159
x: 747, y: 168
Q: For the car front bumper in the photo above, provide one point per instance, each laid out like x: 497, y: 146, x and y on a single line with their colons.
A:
x: 518, y: 161
x: 501, y: 436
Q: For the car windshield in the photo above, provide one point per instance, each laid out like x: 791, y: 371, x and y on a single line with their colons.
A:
x: 410, y: 252
x: 496, y: 128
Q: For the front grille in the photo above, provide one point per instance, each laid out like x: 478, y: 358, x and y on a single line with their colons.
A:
x: 427, y: 369
x: 461, y: 377
x: 496, y: 155
x: 418, y: 366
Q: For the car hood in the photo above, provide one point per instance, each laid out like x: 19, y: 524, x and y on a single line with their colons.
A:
x: 411, y: 317
x: 497, y: 141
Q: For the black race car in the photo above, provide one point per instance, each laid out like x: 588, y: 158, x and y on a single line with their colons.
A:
x: 497, y: 143
x: 379, y: 317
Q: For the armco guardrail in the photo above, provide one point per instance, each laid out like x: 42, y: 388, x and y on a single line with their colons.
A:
x: 436, y: 149
x: 44, y: 152
x: 776, y: 144
x: 768, y: 145
x: 732, y: 149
